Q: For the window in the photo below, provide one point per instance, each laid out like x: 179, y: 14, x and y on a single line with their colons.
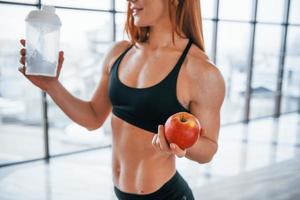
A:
x: 87, y: 33
x: 236, y: 9
x: 121, y: 5
x: 21, y: 104
x: 270, y: 11
x: 208, y: 36
x: 232, y: 61
x: 84, y: 48
x: 291, y: 80
x: 208, y: 8
x: 24, y: 1
x: 20, y: 101
x: 93, y: 4
x: 294, y: 12
x: 120, y: 23
x: 266, y: 59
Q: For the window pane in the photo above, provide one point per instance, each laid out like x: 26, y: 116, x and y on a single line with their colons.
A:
x: 21, y: 131
x: 266, y: 58
x: 294, y: 12
x: 291, y: 80
x: 23, y: 1
x: 236, y: 9
x: 121, y: 5
x: 232, y: 57
x: 208, y: 8
x: 94, y: 4
x: 270, y: 10
x: 84, y: 47
x: 85, y: 26
x: 120, y: 23
x: 208, y: 34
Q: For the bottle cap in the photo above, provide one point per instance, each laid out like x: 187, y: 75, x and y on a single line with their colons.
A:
x: 49, y: 9
x: 46, y: 16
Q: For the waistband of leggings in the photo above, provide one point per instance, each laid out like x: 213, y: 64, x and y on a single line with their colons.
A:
x: 165, y: 190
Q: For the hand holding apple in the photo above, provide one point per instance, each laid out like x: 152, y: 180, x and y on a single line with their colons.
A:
x: 161, y: 145
x: 183, y: 129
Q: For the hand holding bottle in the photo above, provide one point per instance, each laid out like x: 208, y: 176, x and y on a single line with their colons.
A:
x: 43, y: 82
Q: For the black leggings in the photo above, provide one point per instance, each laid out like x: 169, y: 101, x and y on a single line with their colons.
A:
x: 175, y: 189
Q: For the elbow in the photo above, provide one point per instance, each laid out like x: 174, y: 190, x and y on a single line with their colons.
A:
x: 94, y: 126
x: 209, y: 157
x: 205, y: 160
x: 91, y: 128
x: 95, y: 121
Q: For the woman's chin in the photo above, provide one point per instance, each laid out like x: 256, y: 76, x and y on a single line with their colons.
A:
x: 139, y: 23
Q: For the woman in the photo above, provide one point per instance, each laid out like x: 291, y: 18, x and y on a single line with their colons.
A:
x: 161, y: 71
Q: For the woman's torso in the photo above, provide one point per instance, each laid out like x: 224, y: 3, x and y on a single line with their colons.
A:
x: 137, y: 167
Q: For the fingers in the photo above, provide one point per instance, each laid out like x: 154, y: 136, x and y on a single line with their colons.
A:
x: 61, y: 58
x: 177, y: 150
x: 23, y: 42
x: 162, y: 139
x: 159, y: 141
x: 22, y: 70
x: 202, y: 132
x: 60, y: 62
x: 154, y: 142
x: 22, y: 60
x: 160, y: 144
x: 23, y: 52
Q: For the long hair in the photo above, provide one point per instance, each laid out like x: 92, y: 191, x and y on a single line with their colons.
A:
x: 185, y: 17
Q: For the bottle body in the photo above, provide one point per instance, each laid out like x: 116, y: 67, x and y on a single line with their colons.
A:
x: 42, y: 45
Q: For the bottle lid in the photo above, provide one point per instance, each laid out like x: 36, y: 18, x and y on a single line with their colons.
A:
x: 46, y: 15
x: 49, y: 9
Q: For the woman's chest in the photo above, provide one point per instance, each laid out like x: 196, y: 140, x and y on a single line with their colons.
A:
x: 142, y: 70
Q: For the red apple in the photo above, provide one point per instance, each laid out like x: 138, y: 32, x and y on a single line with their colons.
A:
x: 183, y: 129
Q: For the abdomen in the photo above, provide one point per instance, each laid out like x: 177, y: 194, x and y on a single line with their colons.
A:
x: 137, y: 167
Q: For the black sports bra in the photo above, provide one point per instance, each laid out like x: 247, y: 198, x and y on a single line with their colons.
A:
x: 148, y: 107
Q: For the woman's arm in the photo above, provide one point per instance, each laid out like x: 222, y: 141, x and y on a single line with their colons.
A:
x: 79, y: 111
x: 90, y: 114
x: 206, y: 88
x: 206, y: 101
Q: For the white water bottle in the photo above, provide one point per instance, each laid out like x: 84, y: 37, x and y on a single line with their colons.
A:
x: 42, y: 42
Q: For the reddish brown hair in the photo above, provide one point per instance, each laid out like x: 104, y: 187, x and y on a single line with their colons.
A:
x: 185, y: 17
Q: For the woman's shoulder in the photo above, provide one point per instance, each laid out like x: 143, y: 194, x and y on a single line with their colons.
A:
x: 201, y: 70
x: 119, y: 47
x: 198, y: 62
x: 205, y: 81
x: 115, y: 51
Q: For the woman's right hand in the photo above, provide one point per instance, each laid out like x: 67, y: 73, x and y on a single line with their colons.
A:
x: 43, y: 82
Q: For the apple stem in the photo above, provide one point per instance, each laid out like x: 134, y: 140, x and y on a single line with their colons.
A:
x: 182, y: 119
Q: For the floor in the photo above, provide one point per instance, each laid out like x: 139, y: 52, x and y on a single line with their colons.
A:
x: 277, y: 182
x: 248, y: 156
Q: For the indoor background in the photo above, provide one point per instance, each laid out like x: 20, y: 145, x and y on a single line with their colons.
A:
x: 254, y: 43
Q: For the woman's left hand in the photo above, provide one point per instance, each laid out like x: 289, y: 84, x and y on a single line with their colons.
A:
x: 160, y: 144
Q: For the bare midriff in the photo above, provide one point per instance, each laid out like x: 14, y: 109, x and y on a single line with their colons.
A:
x: 136, y: 166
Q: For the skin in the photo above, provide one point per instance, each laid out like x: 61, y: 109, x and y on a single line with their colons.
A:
x: 142, y: 161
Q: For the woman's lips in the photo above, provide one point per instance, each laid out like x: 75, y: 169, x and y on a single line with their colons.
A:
x: 136, y: 11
